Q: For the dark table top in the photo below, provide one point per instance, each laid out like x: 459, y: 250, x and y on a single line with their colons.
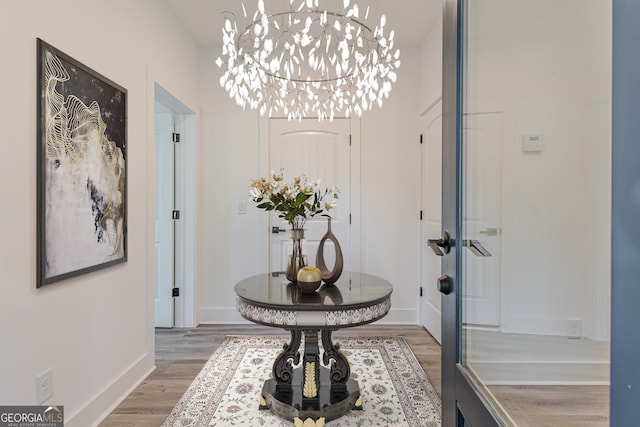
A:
x: 352, y: 290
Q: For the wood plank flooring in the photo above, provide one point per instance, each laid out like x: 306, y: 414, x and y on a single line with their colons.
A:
x: 555, y: 405
x: 181, y: 354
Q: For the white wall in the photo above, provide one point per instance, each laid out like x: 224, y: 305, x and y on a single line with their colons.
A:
x: 96, y: 330
x: 229, y: 158
x: 229, y: 244
x: 430, y: 78
x: 390, y: 186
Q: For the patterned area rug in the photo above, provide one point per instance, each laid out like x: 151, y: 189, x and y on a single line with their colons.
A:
x: 396, y: 391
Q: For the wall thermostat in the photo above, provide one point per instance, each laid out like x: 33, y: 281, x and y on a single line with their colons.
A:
x: 532, y: 143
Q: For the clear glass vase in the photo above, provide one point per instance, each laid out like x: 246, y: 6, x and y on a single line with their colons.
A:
x: 297, y: 254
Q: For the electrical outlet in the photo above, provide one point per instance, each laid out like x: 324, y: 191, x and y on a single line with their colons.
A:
x: 574, y: 328
x: 44, y: 386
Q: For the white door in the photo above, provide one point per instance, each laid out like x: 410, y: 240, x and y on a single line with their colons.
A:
x: 431, y: 224
x: 483, y: 133
x: 319, y: 150
x: 164, y: 246
x: 482, y: 221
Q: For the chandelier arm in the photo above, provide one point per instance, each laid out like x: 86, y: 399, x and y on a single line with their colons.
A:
x: 335, y: 79
x: 247, y: 29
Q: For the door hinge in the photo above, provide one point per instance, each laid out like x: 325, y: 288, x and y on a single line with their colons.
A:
x: 349, y: 140
x: 349, y: 219
x: 420, y: 215
x: 175, y: 215
x: 175, y: 137
x: 420, y: 290
x: 420, y: 138
x: 175, y: 292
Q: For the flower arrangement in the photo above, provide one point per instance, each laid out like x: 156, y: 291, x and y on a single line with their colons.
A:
x: 297, y: 201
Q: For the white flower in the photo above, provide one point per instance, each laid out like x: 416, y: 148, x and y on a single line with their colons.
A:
x: 255, y: 193
x: 283, y: 197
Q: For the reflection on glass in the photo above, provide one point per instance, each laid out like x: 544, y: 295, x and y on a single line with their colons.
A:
x: 328, y: 294
x: 536, y: 197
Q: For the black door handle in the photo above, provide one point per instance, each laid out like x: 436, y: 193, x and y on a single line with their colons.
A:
x: 276, y: 230
x: 442, y: 245
x: 444, y: 284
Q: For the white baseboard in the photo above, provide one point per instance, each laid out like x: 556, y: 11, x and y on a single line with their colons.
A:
x: 223, y: 315
x: 506, y: 358
x: 229, y: 315
x: 542, y: 373
x: 400, y: 316
x: 101, y: 405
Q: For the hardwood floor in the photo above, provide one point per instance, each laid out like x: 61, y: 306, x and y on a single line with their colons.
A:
x: 181, y: 354
x: 555, y: 405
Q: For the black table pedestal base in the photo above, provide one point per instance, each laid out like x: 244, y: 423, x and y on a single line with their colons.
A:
x: 312, y: 386
x: 333, y: 400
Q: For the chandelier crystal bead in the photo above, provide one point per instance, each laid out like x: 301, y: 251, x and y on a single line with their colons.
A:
x: 307, y: 61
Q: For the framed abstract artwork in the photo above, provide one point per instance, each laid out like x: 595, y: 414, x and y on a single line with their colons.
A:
x: 82, y: 168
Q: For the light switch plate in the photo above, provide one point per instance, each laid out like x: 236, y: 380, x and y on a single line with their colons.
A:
x: 44, y: 386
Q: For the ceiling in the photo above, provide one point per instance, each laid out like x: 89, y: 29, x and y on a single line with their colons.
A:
x: 411, y: 19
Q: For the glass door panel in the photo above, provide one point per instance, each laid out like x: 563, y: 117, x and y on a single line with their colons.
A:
x: 534, y: 235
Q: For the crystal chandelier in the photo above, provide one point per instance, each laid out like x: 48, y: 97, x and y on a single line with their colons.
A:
x: 307, y: 62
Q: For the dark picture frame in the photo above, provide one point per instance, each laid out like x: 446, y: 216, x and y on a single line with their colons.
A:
x: 81, y: 168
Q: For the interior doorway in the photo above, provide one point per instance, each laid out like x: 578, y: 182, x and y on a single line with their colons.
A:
x: 165, y: 226
x: 431, y: 214
x: 174, y: 236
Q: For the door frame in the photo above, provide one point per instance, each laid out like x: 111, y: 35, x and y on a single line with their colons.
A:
x: 165, y: 189
x: 458, y: 392
x: 185, y: 185
x: 430, y: 312
x: 625, y: 292
x: 461, y: 399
